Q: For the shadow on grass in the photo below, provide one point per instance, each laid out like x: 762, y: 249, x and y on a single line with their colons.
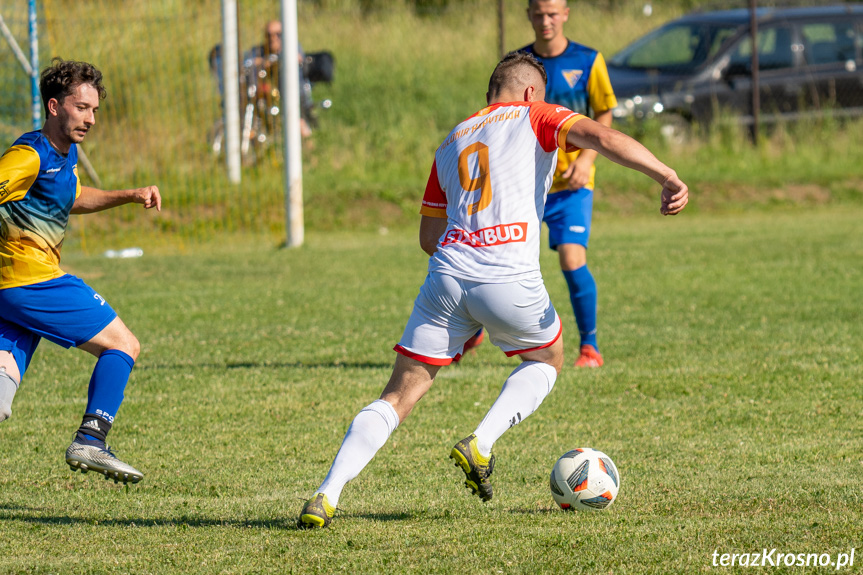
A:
x: 29, y: 515
x: 539, y: 511
x: 404, y: 516
x: 268, y: 365
x: 436, y: 516
x: 8, y: 507
x: 32, y: 516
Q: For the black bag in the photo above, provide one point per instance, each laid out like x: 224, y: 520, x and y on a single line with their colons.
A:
x: 319, y: 67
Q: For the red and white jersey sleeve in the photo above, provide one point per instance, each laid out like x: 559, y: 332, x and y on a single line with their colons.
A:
x: 490, y: 179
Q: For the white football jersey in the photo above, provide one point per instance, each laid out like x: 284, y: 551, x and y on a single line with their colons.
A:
x: 490, y: 179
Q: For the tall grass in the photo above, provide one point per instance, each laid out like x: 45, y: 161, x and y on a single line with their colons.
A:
x: 805, y: 163
x: 403, y: 80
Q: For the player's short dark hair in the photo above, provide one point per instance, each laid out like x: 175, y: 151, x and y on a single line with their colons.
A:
x: 62, y: 77
x: 512, y: 69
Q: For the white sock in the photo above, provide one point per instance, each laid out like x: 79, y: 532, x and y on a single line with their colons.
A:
x: 368, y: 432
x: 522, y: 393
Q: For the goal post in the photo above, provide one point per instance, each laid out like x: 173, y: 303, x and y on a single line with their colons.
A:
x: 293, y: 160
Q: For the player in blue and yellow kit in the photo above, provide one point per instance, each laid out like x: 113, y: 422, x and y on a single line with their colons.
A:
x: 39, y: 189
x: 577, y: 79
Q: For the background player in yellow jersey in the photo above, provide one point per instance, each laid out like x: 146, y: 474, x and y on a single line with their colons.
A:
x: 577, y: 79
x: 39, y: 188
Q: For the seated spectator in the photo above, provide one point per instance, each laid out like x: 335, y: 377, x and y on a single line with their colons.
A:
x: 261, y: 64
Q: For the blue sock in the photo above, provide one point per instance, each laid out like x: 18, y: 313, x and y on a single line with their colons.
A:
x: 108, y: 382
x: 582, y: 294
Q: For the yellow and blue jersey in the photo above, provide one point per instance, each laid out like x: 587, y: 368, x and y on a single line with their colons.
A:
x: 38, y: 186
x: 577, y: 79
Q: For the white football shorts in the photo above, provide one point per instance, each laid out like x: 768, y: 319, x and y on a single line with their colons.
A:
x: 448, y: 311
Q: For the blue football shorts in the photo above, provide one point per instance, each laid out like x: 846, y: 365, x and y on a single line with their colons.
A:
x: 568, y: 214
x: 64, y: 310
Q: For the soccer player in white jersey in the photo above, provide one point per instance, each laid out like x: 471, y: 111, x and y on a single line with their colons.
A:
x: 481, y: 219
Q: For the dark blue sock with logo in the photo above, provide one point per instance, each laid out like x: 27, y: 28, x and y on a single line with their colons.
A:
x: 107, y: 385
x: 582, y: 295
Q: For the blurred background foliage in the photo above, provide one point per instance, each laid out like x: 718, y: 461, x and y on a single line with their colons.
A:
x: 406, y: 73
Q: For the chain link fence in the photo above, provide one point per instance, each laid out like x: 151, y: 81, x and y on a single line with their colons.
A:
x: 159, y: 123
x: 405, y: 72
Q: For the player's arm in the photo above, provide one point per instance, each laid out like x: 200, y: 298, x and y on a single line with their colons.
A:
x: 431, y: 229
x: 587, y: 157
x: 602, y: 101
x: 94, y: 200
x: 623, y: 150
x: 578, y: 172
x: 434, y: 219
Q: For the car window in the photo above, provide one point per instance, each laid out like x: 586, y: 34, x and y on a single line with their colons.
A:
x: 719, y: 38
x: 828, y: 42
x: 859, y: 36
x: 676, y: 47
x: 774, y: 50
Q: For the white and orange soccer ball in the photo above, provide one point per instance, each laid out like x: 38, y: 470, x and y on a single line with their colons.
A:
x: 584, y: 479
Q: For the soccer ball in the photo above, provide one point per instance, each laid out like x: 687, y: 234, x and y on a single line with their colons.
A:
x: 584, y: 479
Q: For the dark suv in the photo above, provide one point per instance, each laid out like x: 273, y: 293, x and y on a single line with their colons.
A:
x: 809, y: 61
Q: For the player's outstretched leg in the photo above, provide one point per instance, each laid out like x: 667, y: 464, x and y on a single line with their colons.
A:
x: 88, y: 451
x: 368, y: 432
x: 477, y: 469
x: 521, y: 395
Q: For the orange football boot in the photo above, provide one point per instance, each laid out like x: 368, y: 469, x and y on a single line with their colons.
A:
x: 589, y: 357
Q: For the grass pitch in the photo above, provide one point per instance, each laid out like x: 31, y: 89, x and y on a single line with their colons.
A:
x: 730, y: 401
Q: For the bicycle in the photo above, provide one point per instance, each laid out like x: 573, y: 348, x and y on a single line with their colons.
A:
x: 261, y: 101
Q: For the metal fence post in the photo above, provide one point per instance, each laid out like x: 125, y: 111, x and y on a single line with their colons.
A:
x: 230, y: 72
x: 35, y: 100
x: 501, y: 29
x: 756, y: 88
x: 294, y: 227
